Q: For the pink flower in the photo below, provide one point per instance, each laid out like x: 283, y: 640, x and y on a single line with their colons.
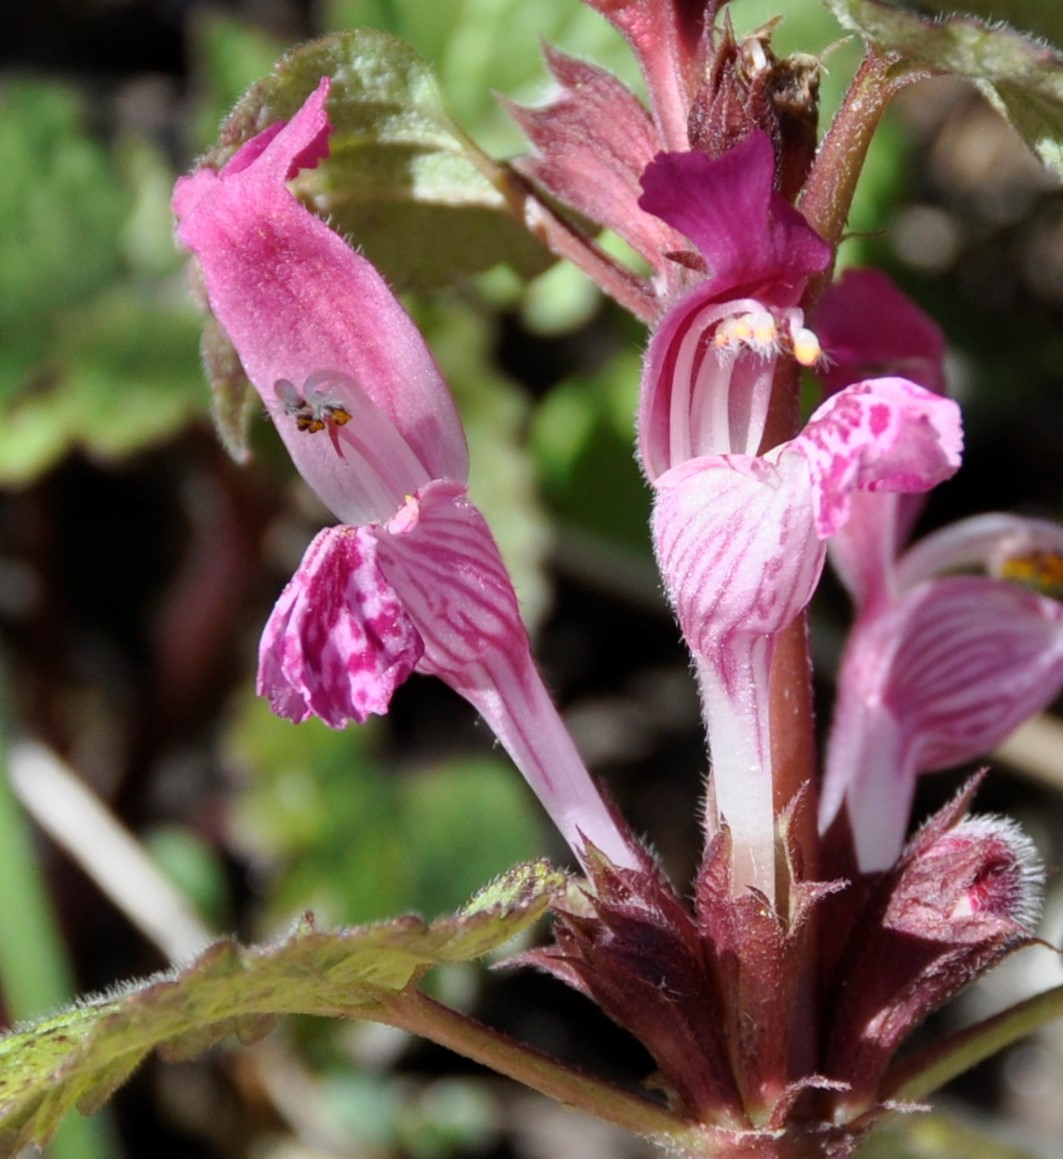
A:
x: 413, y: 580
x: 708, y: 372
x: 939, y: 666
x: 741, y: 543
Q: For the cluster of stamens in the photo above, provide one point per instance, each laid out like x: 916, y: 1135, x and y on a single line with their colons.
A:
x: 759, y: 333
x: 317, y: 411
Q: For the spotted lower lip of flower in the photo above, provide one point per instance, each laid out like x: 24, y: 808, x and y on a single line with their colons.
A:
x: 317, y: 330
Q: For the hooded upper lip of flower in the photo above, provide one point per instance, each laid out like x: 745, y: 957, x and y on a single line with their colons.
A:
x: 709, y: 368
x: 321, y: 337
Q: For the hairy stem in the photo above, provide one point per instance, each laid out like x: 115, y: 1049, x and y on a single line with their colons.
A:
x: 421, y: 1015
x: 828, y: 193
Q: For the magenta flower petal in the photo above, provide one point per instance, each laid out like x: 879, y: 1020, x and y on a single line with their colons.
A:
x: 883, y: 435
x: 707, y: 376
x: 298, y: 304
x: 869, y: 329
x: 338, y: 642
x: 755, y: 243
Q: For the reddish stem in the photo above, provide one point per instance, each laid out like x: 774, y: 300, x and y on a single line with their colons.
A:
x: 828, y: 193
x: 793, y: 746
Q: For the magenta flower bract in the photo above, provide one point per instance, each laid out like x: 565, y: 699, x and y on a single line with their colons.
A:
x: 413, y: 580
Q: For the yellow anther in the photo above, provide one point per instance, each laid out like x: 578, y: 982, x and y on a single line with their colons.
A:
x: 807, y: 350
x: 764, y: 334
x: 1040, y: 570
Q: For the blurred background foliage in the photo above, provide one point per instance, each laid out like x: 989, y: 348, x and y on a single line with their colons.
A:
x: 138, y: 563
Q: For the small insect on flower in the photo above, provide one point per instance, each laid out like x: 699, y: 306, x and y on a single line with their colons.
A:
x: 316, y: 409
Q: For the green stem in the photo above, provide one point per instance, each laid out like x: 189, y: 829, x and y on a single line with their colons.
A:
x: 34, y: 974
x: 924, y: 1072
x: 421, y: 1015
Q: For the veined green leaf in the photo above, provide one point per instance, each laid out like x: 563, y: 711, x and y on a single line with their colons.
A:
x: 79, y: 1057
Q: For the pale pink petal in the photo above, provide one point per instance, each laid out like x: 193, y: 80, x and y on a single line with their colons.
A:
x: 439, y: 555
x: 736, y: 546
x: 941, y: 677
x: 693, y: 400
x: 297, y: 301
x: 338, y: 643
x: 993, y: 542
x: 883, y: 435
x: 863, y: 551
x: 740, y: 559
x: 978, y: 657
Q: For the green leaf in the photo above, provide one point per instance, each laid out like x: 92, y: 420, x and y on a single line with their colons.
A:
x: 235, y: 400
x: 97, y: 338
x: 61, y: 206
x: 407, y: 184
x: 79, y: 1057
x: 1022, y: 77
x: 122, y: 372
x: 1036, y: 16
